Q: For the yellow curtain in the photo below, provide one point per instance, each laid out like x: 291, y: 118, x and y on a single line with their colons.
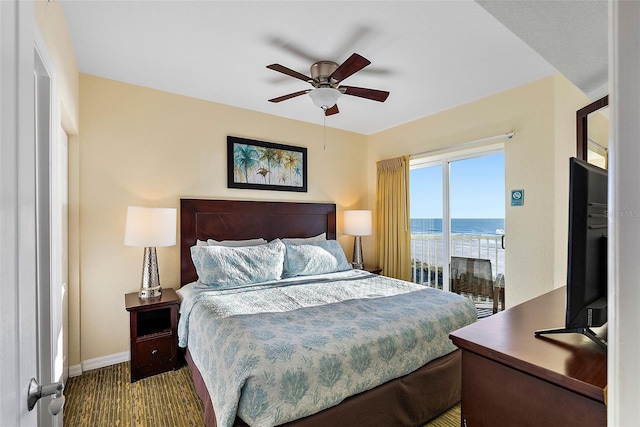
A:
x: 393, y: 230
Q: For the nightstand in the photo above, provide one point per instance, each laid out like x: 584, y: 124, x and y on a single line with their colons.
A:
x: 153, y: 333
x: 374, y: 270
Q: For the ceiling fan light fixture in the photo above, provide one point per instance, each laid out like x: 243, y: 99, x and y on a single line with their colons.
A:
x: 325, y: 97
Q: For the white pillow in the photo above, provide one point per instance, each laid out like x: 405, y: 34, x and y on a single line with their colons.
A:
x: 314, y: 258
x: 231, y: 243
x: 185, y: 291
x: 319, y: 238
x: 228, y: 267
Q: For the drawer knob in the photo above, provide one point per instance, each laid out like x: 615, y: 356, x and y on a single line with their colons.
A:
x: 154, y: 351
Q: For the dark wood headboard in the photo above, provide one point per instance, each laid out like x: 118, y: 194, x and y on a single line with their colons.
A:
x: 238, y: 220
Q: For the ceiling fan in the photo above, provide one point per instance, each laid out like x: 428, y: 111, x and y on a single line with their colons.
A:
x: 326, y: 77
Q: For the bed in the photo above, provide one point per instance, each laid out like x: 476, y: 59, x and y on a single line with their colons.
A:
x: 419, y: 378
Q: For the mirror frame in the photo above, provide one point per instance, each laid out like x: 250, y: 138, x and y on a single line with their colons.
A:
x: 582, y: 143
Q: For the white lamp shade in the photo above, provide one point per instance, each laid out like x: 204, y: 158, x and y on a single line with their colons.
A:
x: 150, y: 227
x: 325, y: 97
x: 357, y: 223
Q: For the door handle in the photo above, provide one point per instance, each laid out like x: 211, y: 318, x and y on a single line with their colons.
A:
x: 502, y: 241
x: 36, y: 391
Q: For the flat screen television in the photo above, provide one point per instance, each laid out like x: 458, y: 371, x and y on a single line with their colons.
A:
x: 587, y: 254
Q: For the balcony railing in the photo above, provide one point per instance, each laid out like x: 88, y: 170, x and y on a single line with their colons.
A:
x: 427, y: 254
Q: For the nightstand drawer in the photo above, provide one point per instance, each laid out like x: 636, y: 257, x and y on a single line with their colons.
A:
x: 155, y: 353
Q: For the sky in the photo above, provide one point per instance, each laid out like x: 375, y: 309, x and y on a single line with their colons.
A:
x: 476, y: 186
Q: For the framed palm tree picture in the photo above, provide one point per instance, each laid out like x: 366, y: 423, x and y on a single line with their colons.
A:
x: 260, y: 165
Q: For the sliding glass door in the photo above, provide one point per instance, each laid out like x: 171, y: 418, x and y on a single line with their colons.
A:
x: 457, y: 212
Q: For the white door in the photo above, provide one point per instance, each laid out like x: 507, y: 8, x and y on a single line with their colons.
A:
x: 51, y: 201
x: 18, y: 316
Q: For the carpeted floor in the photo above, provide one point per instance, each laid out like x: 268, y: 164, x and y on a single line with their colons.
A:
x: 105, y: 397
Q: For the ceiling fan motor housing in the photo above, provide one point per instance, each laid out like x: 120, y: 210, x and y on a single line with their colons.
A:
x: 320, y: 72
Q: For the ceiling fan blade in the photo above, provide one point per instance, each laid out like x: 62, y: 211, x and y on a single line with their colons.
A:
x: 352, y: 65
x: 374, y: 94
x: 288, y: 96
x: 331, y: 111
x: 288, y: 72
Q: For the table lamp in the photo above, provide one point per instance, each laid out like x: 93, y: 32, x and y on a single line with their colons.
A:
x: 150, y: 228
x: 357, y: 223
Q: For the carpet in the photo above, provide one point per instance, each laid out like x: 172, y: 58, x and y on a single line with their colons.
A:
x: 105, y: 397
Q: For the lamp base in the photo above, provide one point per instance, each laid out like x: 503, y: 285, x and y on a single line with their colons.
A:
x: 357, y: 254
x: 150, y: 286
x: 150, y: 292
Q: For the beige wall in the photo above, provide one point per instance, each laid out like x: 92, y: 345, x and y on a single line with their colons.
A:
x: 567, y: 100
x: 542, y: 114
x: 149, y: 148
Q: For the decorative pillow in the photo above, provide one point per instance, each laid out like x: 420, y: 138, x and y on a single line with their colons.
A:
x: 319, y: 238
x: 314, y: 258
x: 227, y: 267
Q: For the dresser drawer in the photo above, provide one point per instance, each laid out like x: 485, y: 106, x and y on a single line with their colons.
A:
x: 155, y: 353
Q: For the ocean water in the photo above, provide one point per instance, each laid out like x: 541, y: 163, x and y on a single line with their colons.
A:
x: 458, y: 226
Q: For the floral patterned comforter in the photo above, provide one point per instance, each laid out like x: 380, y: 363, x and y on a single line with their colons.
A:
x: 279, y: 351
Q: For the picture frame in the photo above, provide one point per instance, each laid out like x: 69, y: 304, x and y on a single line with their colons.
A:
x: 260, y: 165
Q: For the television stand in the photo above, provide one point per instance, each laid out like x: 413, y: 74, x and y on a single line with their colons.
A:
x: 588, y: 332
x: 512, y: 378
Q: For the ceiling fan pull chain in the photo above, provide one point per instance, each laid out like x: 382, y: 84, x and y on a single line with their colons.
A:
x: 324, y: 131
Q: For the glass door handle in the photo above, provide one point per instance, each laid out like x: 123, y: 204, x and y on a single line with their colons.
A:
x: 502, y: 241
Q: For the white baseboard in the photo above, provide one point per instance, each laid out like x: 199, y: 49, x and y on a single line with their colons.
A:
x: 99, y: 362
x: 75, y: 371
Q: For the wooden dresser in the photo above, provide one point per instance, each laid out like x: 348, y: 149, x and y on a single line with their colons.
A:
x: 511, y: 378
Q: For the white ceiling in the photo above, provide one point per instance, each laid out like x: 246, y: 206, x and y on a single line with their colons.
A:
x: 431, y: 55
x: 570, y: 34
